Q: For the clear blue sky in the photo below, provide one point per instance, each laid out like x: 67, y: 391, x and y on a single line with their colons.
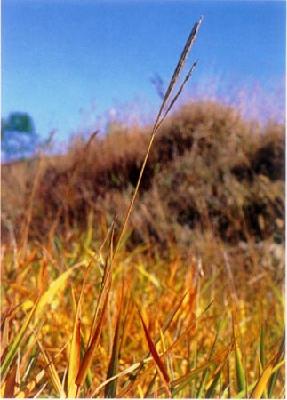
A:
x: 67, y: 61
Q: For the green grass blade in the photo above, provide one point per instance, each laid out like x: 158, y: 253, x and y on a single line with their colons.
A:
x: 240, y: 373
x: 204, y: 378
x: 211, y: 390
x: 262, y: 347
x: 15, y: 344
x: 111, y: 388
x: 205, y: 375
x: 275, y: 371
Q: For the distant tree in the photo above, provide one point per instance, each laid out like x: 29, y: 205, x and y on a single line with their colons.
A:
x: 18, y: 136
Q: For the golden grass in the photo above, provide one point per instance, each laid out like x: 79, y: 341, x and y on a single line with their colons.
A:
x: 208, y: 343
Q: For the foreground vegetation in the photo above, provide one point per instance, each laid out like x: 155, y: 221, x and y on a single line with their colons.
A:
x: 206, y: 325
x: 189, y: 306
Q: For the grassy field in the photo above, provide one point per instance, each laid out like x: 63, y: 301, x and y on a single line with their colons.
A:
x: 208, y: 325
x: 192, y: 303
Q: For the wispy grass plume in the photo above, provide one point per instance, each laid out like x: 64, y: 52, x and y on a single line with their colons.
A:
x: 162, y: 115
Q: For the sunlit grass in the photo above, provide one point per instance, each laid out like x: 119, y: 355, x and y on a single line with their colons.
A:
x: 162, y: 328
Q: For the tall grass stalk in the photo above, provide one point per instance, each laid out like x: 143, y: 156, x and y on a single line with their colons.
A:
x: 162, y: 114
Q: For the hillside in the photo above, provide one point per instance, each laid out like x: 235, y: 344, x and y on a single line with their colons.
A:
x: 209, y: 170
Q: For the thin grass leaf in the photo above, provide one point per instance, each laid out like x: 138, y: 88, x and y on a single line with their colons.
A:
x: 106, y: 279
x: 150, y: 386
x: 262, y: 357
x: 216, y: 377
x: 127, y: 371
x: 75, y: 349
x: 151, y: 277
x: 272, y: 383
x: 171, y: 316
x: 224, y: 394
x: 10, y: 383
x: 87, y: 360
x: 180, y: 383
x: 262, y: 382
x: 262, y: 346
x: 55, y: 287
x: 96, y: 327
x: 242, y: 394
x: 111, y: 388
x: 205, y: 375
x: 154, y: 353
x: 53, y: 372
x: 211, y: 390
x: 275, y: 371
x: 89, y: 377
x: 74, y: 358
x: 32, y: 384
x: 15, y: 344
x: 204, y: 378
x: 274, y: 377
x: 40, y: 391
x: 271, y: 368
x: 240, y: 373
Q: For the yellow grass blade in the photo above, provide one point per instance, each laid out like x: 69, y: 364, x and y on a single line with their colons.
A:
x: 56, y: 286
x: 31, y: 385
x: 75, y: 347
x: 87, y: 360
x: 74, y: 358
x: 272, y: 368
x: 171, y: 315
x: 151, y: 277
x: 127, y: 371
x: 262, y: 382
x: 53, y: 372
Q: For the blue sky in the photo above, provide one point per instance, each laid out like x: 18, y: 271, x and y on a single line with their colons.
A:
x: 66, y: 62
